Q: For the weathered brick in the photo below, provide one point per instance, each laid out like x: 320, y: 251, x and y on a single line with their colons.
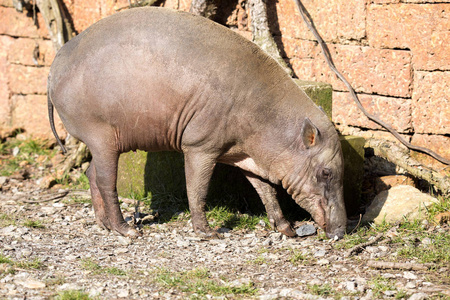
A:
x: 431, y: 102
x: 30, y: 112
x: 21, y: 52
x: 438, y: 143
x: 394, y: 111
x: 383, y: 72
x: 334, y: 19
x: 27, y: 80
x: 297, y: 48
x: 5, y: 43
x: 85, y: 13
x: 14, y: 23
x: 423, y: 28
x: 7, y: 3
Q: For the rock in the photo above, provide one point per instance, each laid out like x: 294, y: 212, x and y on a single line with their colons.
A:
x: 323, y: 262
x: 305, y: 230
x: 350, y: 286
x: 409, y: 275
x: 384, y: 183
x: 124, y: 240
x: 410, y: 285
x: 418, y: 296
x: 3, y: 180
x: 320, y: 253
x: 31, y: 283
x: 398, y: 202
x: 123, y: 293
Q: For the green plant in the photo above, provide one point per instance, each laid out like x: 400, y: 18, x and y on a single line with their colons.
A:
x: 297, y: 257
x: 6, y: 220
x: 199, y: 281
x: 321, y: 290
x: 28, y: 151
x: 89, y: 265
x: 33, y: 224
x: 36, y: 263
x: 72, y: 295
x: 220, y: 216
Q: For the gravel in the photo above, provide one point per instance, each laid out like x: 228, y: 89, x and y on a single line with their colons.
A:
x: 73, y: 253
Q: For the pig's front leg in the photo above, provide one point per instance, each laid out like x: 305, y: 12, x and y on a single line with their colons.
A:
x: 199, y: 168
x: 268, y: 195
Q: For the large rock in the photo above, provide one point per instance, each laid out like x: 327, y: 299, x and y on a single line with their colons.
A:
x: 399, y: 202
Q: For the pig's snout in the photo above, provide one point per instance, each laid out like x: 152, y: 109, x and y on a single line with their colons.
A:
x: 336, y: 233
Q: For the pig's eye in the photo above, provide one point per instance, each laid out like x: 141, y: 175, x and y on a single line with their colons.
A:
x: 326, y: 174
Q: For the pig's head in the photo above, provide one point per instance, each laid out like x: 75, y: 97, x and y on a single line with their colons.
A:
x: 316, y: 181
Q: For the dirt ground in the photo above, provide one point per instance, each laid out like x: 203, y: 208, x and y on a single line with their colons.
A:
x: 51, y: 247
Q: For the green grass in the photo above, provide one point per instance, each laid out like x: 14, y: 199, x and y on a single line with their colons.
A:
x: 297, y: 257
x: 6, y: 220
x: 36, y: 263
x: 220, y: 216
x: 29, y: 151
x: 323, y: 290
x: 33, y: 224
x: 199, y: 281
x: 72, y: 295
x: 380, y: 285
x: 90, y: 265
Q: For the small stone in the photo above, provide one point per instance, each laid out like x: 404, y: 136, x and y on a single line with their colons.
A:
x: 124, y: 240
x: 418, y: 296
x: 390, y: 293
x: 15, y: 151
x: 121, y: 250
x: 427, y: 241
x: 3, y: 180
x: 223, y: 230
x: 323, y: 262
x: 306, y: 230
x: 320, y: 253
x: 31, y: 283
x: 409, y: 275
x: 350, y: 286
x: 123, y: 293
x: 410, y: 285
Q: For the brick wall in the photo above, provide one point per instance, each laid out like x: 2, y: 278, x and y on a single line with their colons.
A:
x: 395, y: 53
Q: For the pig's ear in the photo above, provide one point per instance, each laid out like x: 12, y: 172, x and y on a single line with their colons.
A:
x: 310, y: 134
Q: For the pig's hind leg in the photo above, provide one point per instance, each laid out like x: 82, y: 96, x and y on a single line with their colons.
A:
x: 102, y: 176
x: 268, y: 195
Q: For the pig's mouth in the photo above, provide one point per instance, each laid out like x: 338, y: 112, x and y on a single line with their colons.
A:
x: 317, y: 207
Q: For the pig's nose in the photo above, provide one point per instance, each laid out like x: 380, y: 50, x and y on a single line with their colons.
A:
x: 336, y: 234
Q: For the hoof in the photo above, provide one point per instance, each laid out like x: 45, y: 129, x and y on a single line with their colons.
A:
x: 287, y: 230
x: 208, y: 235
x: 127, y: 231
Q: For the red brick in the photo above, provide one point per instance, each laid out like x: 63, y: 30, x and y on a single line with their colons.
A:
x: 7, y: 3
x: 298, y: 48
x: 431, y: 102
x: 438, y: 143
x: 85, y: 13
x: 30, y: 112
x: 5, y: 43
x: 14, y: 23
x: 27, y: 80
x: 22, y: 49
x: 383, y: 72
x: 394, y: 111
x: 333, y: 19
x: 423, y: 28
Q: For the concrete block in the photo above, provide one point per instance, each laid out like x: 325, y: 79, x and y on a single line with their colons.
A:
x: 353, y: 150
x: 320, y: 92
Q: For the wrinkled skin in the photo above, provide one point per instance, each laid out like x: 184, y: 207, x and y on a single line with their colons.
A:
x: 156, y: 79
